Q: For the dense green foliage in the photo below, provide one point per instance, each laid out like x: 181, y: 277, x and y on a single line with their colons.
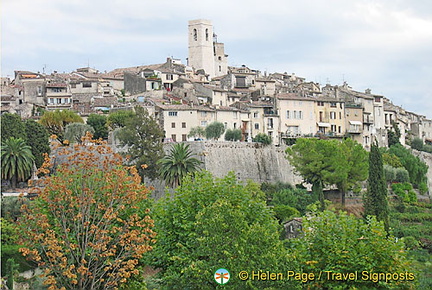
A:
x: 395, y: 174
x: 75, y: 131
x: 262, y: 138
x: 417, y: 144
x: 413, y: 223
x: 37, y: 137
x: 394, y: 135
x: 280, y: 196
x: 56, y: 121
x: 99, y: 124
x: 216, y: 223
x: 16, y: 160
x: 404, y: 191
x: 416, y: 168
x: 375, y: 199
x: 341, y: 243
x: 329, y: 162
x: 177, y: 164
x: 214, y: 130
x: 355, y: 167
x: 196, y: 132
x: 118, y: 119
x: 143, y: 138
x: 11, y: 207
x: 390, y: 159
x: 11, y: 126
x: 233, y: 135
x: 9, y: 248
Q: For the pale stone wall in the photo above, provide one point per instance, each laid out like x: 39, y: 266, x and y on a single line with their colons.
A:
x: 248, y: 160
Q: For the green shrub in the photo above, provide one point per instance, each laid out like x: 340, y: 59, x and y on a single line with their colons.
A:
x: 423, y: 188
x: 262, y: 138
x: 233, y: 135
x: 401, y: 175
x: 389, y: 173
x: 411, y: 242
x: 284, y: 212
x: 417, y: 144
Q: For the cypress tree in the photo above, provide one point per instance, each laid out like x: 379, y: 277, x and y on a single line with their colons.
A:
x: 375, y: 201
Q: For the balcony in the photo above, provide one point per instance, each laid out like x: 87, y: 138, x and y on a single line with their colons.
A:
x: 368, y: 120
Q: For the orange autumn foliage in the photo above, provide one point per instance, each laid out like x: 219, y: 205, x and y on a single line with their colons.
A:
x: 89, y: 224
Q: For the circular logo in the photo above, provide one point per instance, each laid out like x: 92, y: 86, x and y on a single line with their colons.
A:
x: 222, y: 276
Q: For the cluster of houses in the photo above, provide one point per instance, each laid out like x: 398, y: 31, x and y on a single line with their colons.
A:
x: 182, y: 96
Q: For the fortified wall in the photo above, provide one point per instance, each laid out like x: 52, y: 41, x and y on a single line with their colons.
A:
x: 248, y: 160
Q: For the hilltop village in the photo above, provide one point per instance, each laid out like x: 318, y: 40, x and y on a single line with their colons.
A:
x: 206, y: 89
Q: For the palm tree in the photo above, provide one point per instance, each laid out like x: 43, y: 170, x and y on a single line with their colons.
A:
x: 177, y: 164
x: 16, y: 160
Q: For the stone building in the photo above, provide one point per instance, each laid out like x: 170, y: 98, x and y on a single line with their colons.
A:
x: 205, y: 53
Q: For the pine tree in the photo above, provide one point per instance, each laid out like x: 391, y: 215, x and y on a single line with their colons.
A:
x: 375, y: 201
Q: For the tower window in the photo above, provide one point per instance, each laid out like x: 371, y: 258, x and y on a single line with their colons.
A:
x: 195, y: 35
x: 206, y: 34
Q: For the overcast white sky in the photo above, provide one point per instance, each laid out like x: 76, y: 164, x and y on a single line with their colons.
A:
x: 384, y: 45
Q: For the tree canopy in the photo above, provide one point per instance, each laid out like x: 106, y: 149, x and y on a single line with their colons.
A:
x: 89, y: 225
x: 16, y: 160
x: 75, y: 131
x: 56, y: 121
x: 375, y: 200
x: 142, y: 137
x: 214, y: 130
x: 416, y: 168
x: 177, y: 164
x: 11, y: 126
x: 99, y: 124
x: 341, y: 243
x: 196, y: 132
x: 262, y: 138
x: 212, y: 223
x: 118, y: 119
x: 233, y: 135
x: 37, y: 137
x: 319, y: 162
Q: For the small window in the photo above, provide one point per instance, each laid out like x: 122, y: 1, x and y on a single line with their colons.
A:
x: 195, y: 35
x: 183, y: 124
x: 203, y: 123
x: 172, y: 125
x: 184, y: 137
x: 256, y: 114
x: 287, y: 114
x: 207, y: 34
x: 172, y: 114
x: 173, y: 137
x: 257, y: 126
x: 86, y: 84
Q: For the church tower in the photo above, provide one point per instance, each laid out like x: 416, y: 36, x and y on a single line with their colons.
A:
x: 201, y: 52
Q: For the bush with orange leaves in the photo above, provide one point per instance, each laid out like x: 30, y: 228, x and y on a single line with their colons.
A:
x: 90, y: 223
